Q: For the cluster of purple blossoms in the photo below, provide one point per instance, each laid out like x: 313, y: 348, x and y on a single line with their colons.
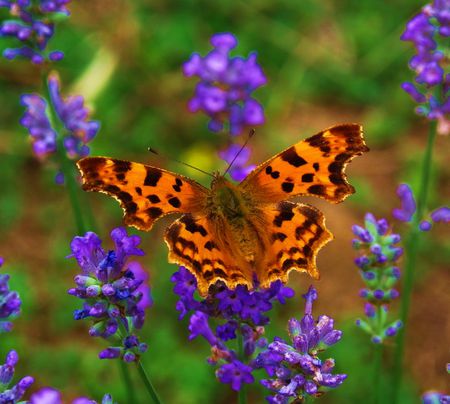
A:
x: 33, y: 24
x: 226, y: 85
x: 224, y: 93
x: 9, y: 303
x: 408, y: 209
x: 243, y: 312
x: 48, y: 395
x: 114, y: 291
x: 71, y: 114
x: 377, y: 261
x: 296, y: 371
x: 429, y: 32
x: 12, y: 394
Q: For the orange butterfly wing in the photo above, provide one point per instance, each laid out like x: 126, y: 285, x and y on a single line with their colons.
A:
x: 194, y: 243
x: 314, y: 166
x: 145, y: 193
x: 297, y: 232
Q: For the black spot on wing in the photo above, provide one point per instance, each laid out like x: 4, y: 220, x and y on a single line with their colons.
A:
x: 152, y: 177
x: 316, y: 166
x: 337, y: 179
x: 278, y: 236
x: 175, y: 202
x: 138, y: 190
x: 287, y: 187
x: 131, y: 208
x: 153, y: 198
x: 192, y: 226
x: 317, y: 190
x: 121, y: 166
x: 124, y: 196
x: 309, y: 177
x: 285, y: 213
x: 112, y: 189
x: 154, y: 212
x: 291, y: 157
x: 210, y: 245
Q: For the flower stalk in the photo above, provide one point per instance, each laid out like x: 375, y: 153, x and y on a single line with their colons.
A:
x: 412, y: 251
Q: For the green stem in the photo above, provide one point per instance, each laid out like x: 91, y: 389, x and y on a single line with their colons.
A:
x: 151, y: 390
x: 127, y: 381
x: 72, y: 187
x: 377, y: 368
x: 66, y: 164
x: 145, y: 379
x: 242, y: 394
x: 412, y: 250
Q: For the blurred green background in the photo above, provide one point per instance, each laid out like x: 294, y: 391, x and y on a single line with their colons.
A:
x: 327, y: 62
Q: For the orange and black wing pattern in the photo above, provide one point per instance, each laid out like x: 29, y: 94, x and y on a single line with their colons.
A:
x: 145, y: 193
x: 312, y: 167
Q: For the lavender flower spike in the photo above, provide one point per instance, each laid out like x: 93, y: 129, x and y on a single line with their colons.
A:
x: 296, y: 371
x: 15, y: 393
x: 429, y: 31
x: 378, y: 254
x: 224, y: 92
x: 112, y: 291
x: 77, y: 130
x: 9, y: 303
x: 239, y: 311
x: 33, y: 26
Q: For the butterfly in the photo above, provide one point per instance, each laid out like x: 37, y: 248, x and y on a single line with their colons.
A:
x: 240, y: 234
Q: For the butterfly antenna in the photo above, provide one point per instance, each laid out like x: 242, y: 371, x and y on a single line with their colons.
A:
x: 251, y: 133
x: 151, y: 150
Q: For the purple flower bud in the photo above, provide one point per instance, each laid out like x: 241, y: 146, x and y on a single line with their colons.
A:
x: 413, y: 92
x: 362, y: 233
x: 408, y: 204
x: 110, y: 353
x: 369, y: 310
x: 378, y: 294
x: 368, y: 275
x: 425, y: 225
x: 376, y: 339
x: 441, y: 214
x: 394, y: 294
x: 362, y: 261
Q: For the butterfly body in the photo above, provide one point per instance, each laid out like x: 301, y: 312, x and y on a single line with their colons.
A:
x: 238, y: 233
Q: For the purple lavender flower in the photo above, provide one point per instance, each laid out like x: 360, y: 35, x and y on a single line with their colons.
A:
x: 49, y: 395
x: 408, y: 209
x: 9, y: 303
x: 239, y: 311
x: 38, y: 124
x: 377, y: 261
x: 12, y: 394
x: 239, y: 170
x: 408, y: 204
x: 72, y: 114
x: 112, y: 291
x: 33, y: 27
x: 428, y: 31
x: 295, y: 370
x: 224, y: 92
x: 235, y: 373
